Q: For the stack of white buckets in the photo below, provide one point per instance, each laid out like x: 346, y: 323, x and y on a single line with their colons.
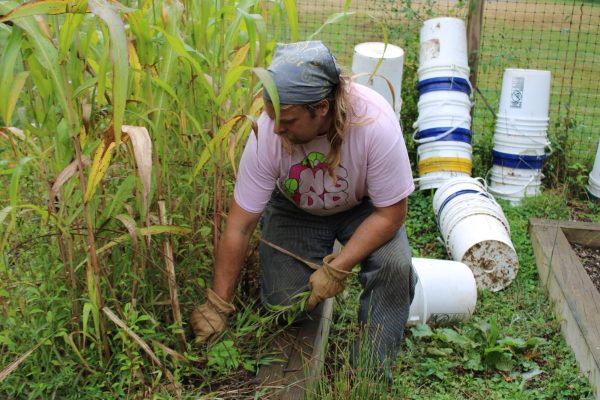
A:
x: 446, y: 291
x: 521, y: 137
x: 594, y: 179
x: 442, y: 130
x: 476, y: 232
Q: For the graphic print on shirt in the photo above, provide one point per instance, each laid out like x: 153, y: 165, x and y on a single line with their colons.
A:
x: 310, y: 185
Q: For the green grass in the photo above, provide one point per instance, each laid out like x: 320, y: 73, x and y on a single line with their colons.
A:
x: 50, y: 283
x: 442, y: 364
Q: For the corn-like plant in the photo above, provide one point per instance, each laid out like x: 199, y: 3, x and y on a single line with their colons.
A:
x: 120, y: 125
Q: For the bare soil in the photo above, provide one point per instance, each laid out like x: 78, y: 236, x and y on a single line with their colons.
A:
x: 590, y: 258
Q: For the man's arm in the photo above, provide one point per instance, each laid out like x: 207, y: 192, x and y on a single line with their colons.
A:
x: 232, y: 250
x: 371, y: 234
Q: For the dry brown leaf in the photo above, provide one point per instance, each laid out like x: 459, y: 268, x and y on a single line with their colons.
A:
x: 12, y: 366
x: 142, y: 150
x: 140, y: 342
x: 65, y: 175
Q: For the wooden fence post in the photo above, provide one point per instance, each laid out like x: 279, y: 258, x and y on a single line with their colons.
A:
x: 474, y: 27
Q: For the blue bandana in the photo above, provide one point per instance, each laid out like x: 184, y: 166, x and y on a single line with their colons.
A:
x: 304, y: 72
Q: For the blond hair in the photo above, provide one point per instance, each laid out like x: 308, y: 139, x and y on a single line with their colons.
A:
x: 342, y: 111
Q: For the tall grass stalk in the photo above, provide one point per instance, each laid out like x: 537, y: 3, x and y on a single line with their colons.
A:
x: 75, y: 77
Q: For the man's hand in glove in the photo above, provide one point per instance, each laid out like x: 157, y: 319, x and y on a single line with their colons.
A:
x: 209, y: 319
x: 325, y: 282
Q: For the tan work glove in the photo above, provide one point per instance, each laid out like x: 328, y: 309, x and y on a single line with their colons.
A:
x: 209, y: 319
x: 325, y: 282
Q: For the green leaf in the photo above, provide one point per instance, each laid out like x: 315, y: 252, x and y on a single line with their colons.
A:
x: 421, y: 330
x: 439, y: 351
x: 124, y: 192
x: 51, y: 7
x: 332, y: 19
x: 47, y: 55
x: 269, y: 85
x: 292, y: 18
x: 7, y: 65
x: 232, y: 77
x: 451, y: 336
x: 512, y: 342
x: 13, y: 95
x: 120, y: 59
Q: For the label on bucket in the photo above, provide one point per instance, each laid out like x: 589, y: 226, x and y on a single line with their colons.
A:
x: 516, y: 92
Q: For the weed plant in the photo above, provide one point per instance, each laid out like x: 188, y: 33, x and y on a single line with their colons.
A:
x: 120, y: 129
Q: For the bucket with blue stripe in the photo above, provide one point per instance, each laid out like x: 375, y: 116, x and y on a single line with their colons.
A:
x: 515, y: 176
x: 475, y: 231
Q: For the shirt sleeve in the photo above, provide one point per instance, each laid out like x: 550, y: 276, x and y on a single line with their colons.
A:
x: 389, y: 175
x: 258, y: 170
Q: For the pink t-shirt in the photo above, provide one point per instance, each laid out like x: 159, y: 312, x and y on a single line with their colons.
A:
x: 374, y: 163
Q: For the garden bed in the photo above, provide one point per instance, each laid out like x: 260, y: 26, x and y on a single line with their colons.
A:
x: 575, y: 295
x: 301, y: 351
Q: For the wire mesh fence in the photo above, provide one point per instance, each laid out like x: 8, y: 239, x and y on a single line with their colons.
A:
x: 561, y: 36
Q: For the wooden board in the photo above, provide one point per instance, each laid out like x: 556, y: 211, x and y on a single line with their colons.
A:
x: 576, y: 299
x: 302, y: 349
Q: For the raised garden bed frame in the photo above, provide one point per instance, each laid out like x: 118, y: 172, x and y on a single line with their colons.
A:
x: 575, y: 297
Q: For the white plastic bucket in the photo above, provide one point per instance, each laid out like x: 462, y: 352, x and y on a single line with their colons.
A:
x: 525, y: 94
x: 535, y: 134
x: 365, y: 59
x: 482, y: 242
x: 456, y: 185
x: 434, y: 180
x: 595, y: 172
x: 446, y: 292
x: 444, y: 149
x: 443, y: 105
x: 454, y: 212
x: 443, y: 42
x: 453, y: 71
x: 516, y: 186
x: 521, y: 145
x: 443, y: 121
x: 523, y: 122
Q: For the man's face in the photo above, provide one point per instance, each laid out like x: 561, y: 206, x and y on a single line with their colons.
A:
x: 296, y: 123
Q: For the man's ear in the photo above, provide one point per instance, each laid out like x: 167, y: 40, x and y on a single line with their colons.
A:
x: 323, y: 107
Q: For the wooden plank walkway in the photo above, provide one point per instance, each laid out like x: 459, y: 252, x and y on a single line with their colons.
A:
x: 302, y: 349
x: 576, y: 299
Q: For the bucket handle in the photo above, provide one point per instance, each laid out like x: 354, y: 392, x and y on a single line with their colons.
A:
x: 501, y: 193
x: 371, y: 76
x: 438, y: 137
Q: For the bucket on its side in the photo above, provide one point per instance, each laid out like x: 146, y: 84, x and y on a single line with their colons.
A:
x: 457, y: 187
x: 446, y: 292
x: 475, y: 231
x: 482, y: 242
x: 443, y: 41
x: 525, y: 94
x: 365, y: 59
x: 459, y: 209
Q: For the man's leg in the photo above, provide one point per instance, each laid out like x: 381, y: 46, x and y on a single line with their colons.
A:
x: 305, y: 235
x: 388, y: 282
